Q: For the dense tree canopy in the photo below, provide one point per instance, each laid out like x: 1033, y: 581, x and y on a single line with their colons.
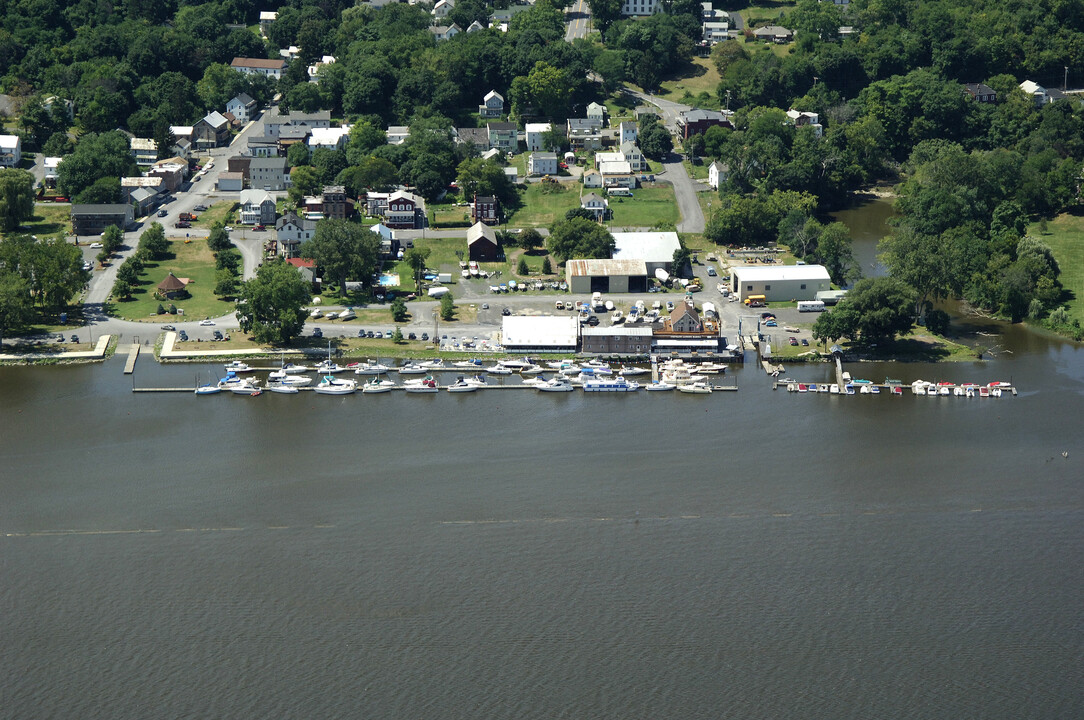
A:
x: 579, y: 238
x: 344, y: 251
x: 272, y: 304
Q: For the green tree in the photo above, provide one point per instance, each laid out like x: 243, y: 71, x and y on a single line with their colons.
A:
x: 16, y: 309
x: 605, y: 13
x: 579, y: 238
x: 399, y: 312
x: 546, y: 89
x: 521, y: 267
x: 547, y: 266
x: 344, y: 250
x: 153, y: 241
x: 16, y: 198
x: 218, y: 239
x: 271, y: 305
x: 416, y: 258
x: 58, y: 273
x: 112, y: 239
x: 875, y: 310
x: 96, y: 156
x: 225, y: 283
x: 484, y: 177
x: 103, y: 191
x: 228, y: 259
x: 529, y: 239
x: 298, y: 155
x: 656, y: 142
x: 219, y: 84
x: 397, y: 336
x: 834, y: 253
x: 102, y: 257
x: 122, y: 289
x: 304, y: 182
x: 447, y: 307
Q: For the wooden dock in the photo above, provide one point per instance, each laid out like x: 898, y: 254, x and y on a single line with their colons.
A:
x: 133, y: 355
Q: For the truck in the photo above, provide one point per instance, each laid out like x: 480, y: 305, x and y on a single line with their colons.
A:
x: 187, y: 216
x: 810, y: 306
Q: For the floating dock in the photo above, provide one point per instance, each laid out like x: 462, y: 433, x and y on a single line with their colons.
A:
x: 133, y: 355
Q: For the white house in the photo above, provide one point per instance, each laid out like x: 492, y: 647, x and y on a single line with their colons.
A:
x: 51, y: 164
x: 475, y: 27
x: 445, y: 32
x: 799, y: 118
x: 715, y: 32
x: 242, y: 107
x: 617, y: 174
x: 442, y: 8
x: 535, y: 131
x: 595, y: 204
x: 267, y: 18
x: 542, y: 163
x: 330, y: 138
x: 314, y: 69
x: 397, y: 134
x: 717, y: 174
x: 11, y: 150
x: 492, y: 105
x: 144, y: 151
x: 592, y: 178
x: 259, y: 66
x: 257, y: 207
x: 291, y: 231
x: 639, y: 8
x: 632, y: 155
x: 1037, y: 91
x: 628, y: 132
x: 231, y: 181
x: 597, y: 113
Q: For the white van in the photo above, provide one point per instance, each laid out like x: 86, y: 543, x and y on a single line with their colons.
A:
x: 810, y: 306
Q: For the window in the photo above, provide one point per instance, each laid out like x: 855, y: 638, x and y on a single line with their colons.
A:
x: 749, y: 288
x: 803, y: 286
x: 767, y: 288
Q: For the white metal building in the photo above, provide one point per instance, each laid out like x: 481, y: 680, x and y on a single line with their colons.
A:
x: 779, y: 283
x: 656, y: 249
x: 540, y: 333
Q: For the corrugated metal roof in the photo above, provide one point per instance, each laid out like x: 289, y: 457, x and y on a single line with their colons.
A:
x: 608, y: 268
x: 539, y: 331
x: 759, y: 273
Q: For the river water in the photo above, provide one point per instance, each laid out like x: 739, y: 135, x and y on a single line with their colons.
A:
x: 753, y: 554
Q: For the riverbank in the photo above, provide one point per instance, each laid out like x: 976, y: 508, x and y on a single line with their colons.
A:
x: 102, y: 349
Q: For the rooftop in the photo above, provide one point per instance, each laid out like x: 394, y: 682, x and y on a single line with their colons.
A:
x: 262, y: 63
x: 600, y: 267
x: 539, y: 331
x: 780, y: 272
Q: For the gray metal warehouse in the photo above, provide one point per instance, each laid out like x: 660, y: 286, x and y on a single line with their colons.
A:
x: 779, y: 283
x: 616, y: 276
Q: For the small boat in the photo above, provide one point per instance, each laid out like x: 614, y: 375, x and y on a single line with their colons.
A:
x: 823, y: 387
x: 802, y: 387
x: 999, y: 383
x: 995, y: 391
x: 437, y: 364
x: 208, y: 389
x: 371, y: 368
x: 633, y: 371
x: 534, y: 380
x: 833, y: 389
x: 699, y: 387
x: 425, y: 385
x: 326, y: 367
x: 959, y: 391
x: 331, y: 385
x: 478, y: 381
x: 238, y: 367
x: 944, y: 388
x: 984, y: 391
x: 617, y: 384
x: 970, y: 390
x: 281, y: 377
x: 516, y: 364
x: 245, y: 388
x: 531, y: 370
x: 597, y: 365
x: 865, y: 389
x: 499, y: 370
x: 283, y: 389
x: 292, y: 368
x: 918, y: 387
x: 874, y: 389
x: 412, y: 369
x: 659, y: 386
x: 461, y: 386
x: 811, y: 387
x: 848, y: 389
x: 556, y: 384
x: 559, y: 364
x: 378, y: 385
x: 469, y: 364
x: 331, y: 315
x: 230, y: 380
x: 897, y: 390
x: 710, y: 368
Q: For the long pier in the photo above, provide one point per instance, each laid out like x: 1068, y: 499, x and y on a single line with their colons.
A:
x: 133, y: 355
x: 715, y: 388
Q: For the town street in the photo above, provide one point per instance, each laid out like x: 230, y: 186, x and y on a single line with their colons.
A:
x: 579, y: 17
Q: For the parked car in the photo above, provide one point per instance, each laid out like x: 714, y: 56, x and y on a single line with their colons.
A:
x: 361, y: 333
x: 805, y: 342
x: 506, y: 312
x: 216, y: 335
x: 317, y: 333
x: 370, y: 334
x: 792, y: 340
x: 771, y: 323
x: 163, y: 213
x: 96, y: 246
x: 207, y: 323
x: 168, y: 327
x: 75, y: 338
x: 593, y: 320
x: 711, y: 272
x: 183, y: 336
x: 228, y: 228
x: 412, y: 336
x: 485, y: 306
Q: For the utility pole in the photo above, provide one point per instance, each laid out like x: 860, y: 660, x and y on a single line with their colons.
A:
x: 728, y: 101
x: 1065, y: 81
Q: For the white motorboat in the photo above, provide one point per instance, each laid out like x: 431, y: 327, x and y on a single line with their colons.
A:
x: 292, y: 380
x: 918, y: 387
x: 246, y: 388
x: 230, y: 380
x: 681, y: 375
x: 378, y: 385
x: 833, y: 389
x: 347, y: 315
x: 617, y: 317
x: 316, y: 313
x: 633, y: 371
x: 559, y: 364
x: 331, y: 385
x: 959, y: 391
x: 700, y: 387
x: 208, y: 389
x: 532, y: 370
x: 238, y: 367
x: 477, y: 381
x: 596, y: 365
x: 331, y: 315
x: 471, y: 364
x: 710, y: 368
x: 282, y: 388
x: 437, y: 364
x: 534, y: 380
x: 617, y: 384
x: 292, y: 368
x: 461, y: 386
x: 412, y: 369
x: 556, y: 384
x: 326, y: 367
x: 371, y: 368
x: 659, y: 387
x: 499, y: 370
x: 423, y: 385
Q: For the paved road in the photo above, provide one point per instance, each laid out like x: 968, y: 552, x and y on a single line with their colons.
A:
x: 579, y: 19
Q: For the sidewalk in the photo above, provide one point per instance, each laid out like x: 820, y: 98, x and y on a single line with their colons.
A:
x: 98, y: 353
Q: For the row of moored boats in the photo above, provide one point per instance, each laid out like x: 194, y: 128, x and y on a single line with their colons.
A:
x: 918, y: 387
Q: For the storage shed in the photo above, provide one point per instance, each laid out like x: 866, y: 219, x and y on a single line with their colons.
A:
x: 779, y: 283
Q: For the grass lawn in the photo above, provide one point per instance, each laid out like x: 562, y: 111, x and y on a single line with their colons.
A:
x: 1065, y: 236
x: 541, y: 209
x: 221, y: 212
x: 648, y: 206
x: 192, y: 260
x: 699, y: 170
x: 48, y: 219
x: 449, y: 216
x: 766, y: 11
x: 700, y: 77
